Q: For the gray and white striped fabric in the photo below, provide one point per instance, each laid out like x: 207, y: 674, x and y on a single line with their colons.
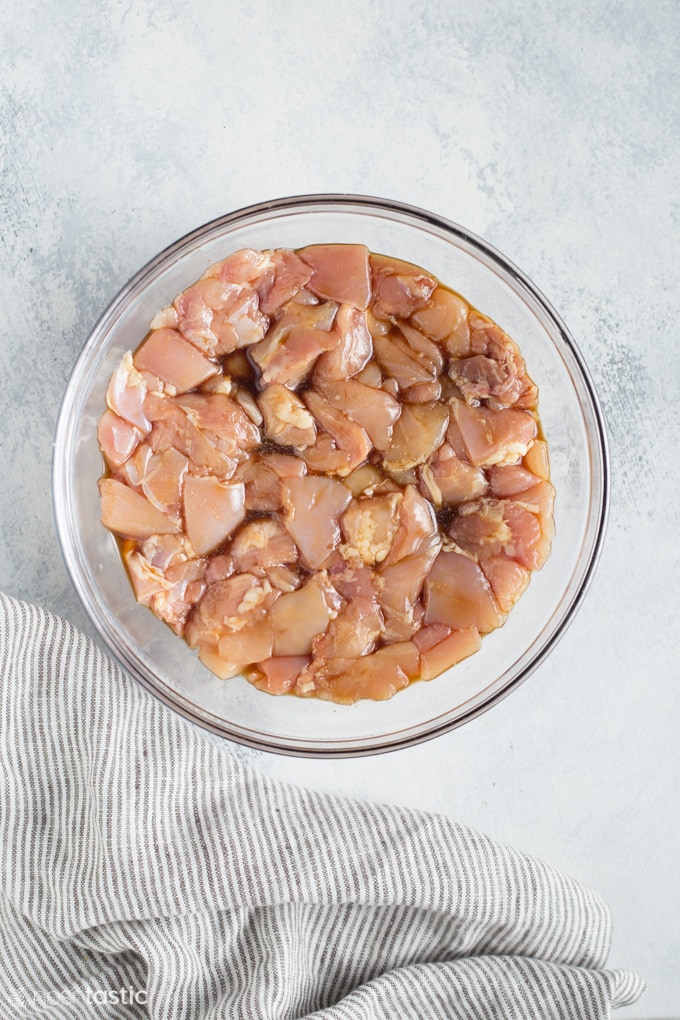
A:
x: 146, y: 873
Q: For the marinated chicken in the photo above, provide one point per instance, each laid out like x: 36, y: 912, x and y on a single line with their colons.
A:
x: 326, y: 472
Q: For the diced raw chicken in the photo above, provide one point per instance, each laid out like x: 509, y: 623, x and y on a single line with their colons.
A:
x: 130, y: 514
x: 228, y: 606
x: 458, y: 594
x: 117, y: 438
x: 249, y: 644
x: 494, y: 437
x: 261, y: 544
x: 340, y: 272
x: 353, y: 351
x: 244, y: 266
x: 450, y: 651
x: 172, y: 427
x: 351, y: 439
x: 297, y: 618
x: 339, y: 590
x: 210, y: 313
x: 402, y: 362
x: 445, y: 319
x: 222, y: 417
x: 497, y: 369
x: 369, y: 526
x: 507, y: 481
x: 423, y: 346
x: 353, y: 632
x: 212, y: 510
x: 377, y: 676
x: 417, y: 526
x: 287, y: 275
x: 126, y: 394
x: 173, y: 359
x: 373, y: 409
x: 163, y: 480
x: 536, y: 459
x: 423, y: 393
x: 508, y: 579
x: 286, y: 419
x: 262, y: 484
x: 399, y: 288
x: 455, y: 480
x: 399, y: 587
x: 294, y: 344
x: 147, y: 580
x: 176, y: 603
x: 277, y: 675
x: 313, y: 506
x: 419, y: 431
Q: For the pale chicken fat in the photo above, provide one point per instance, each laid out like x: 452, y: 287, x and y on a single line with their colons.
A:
x: 326, y: 472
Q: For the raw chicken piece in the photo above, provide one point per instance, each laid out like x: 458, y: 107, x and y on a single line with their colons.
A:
x: 399, y: 288
x: 455, y: 481
x: 249, y: 644
x: 208, y: 312
x: 423, y: 393
x: 262, y: 484
x: 377, y: 676
x: 297, y: 618
x: 508, y: 481
x: 445, y: 319
x: 167, y: 355
x: 353, y: 351
x: 450, y: 651
x: 212, y: 510
x: 458, y: 594
x: 496, y: 370
x: 130, y: 514
x: 261, y: 544
x: 373, y: 409
x: 294, y: 343
x: 313, y: 506
x: 172, y: 427
x: 340, y: 272
x: 277, y: 675
x: 287, y: 275
x: 494, y: 437
x: 419, y: 431
x: 422, y: 345
x: 117, y: 438
x: 536, y: 459
x: 508, y: 579
x: 244, y: 266
x: 286, y: 419
x: 349, y: 437
x: 352, y: 633
x: 127, y: 392
x: 417, y: 526
x: 176, y: 603
x: 369, y: 526
x: 147, y: 580
x: 399, y: 587
x: 224, y: 418
x: 228, y: 606
x: 402, y: 362
x: 163, y: 480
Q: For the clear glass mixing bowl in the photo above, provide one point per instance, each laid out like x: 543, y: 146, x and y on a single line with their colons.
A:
x: 572, y: 423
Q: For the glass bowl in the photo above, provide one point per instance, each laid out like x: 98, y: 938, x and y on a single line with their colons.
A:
x: 571, y: 419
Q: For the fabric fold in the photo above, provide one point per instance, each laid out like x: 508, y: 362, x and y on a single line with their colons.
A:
x: 140, y: 859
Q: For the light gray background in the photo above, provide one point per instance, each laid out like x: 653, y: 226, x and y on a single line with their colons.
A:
x: 549, y: 129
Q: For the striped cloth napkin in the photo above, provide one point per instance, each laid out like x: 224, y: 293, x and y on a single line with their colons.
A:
x: 147, y: 873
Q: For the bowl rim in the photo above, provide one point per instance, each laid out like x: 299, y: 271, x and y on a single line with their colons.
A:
x: 598, y: 516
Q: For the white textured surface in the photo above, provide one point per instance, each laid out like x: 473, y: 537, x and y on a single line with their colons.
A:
x: 552, y: 132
